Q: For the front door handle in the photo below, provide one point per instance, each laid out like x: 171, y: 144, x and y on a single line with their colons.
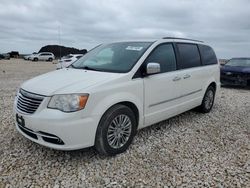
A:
x: 186, y: 76
x: 177, y: 78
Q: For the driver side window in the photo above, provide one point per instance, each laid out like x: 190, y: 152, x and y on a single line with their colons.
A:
x: 164, y: 55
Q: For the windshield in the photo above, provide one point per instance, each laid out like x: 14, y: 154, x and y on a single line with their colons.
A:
x: 114, y: 57
x: 239, y: 62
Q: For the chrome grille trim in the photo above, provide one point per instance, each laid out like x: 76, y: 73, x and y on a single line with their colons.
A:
x: 28, y: 102
x: 24, y: 103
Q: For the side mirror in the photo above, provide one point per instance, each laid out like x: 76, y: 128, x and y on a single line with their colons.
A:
x: 153, y: 68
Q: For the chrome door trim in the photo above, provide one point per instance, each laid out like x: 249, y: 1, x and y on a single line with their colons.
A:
x: 169, y: 100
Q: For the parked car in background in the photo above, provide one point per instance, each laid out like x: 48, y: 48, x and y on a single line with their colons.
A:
x: 114, y: 90
x: 43, y: 56
x: 236, y: 72
x: 68, y: 60
x: 14, y: 54
x: 5, y: 56
x: 28, y: 57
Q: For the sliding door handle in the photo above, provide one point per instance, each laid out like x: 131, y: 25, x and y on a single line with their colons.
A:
x: 177, y: 78
x: 186, y: 76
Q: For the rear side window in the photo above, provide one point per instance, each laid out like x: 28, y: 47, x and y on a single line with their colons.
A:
x: 207, y: 55
x: 78, y: 57
x: 165, y: 56
x: 68, y: 56
x: 43, y: 54
x: 189, y: 55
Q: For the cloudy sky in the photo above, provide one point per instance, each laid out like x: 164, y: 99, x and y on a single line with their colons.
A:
x: 27, y: 25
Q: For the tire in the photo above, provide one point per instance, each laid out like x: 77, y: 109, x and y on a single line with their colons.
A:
x: 110, y: 139
x: 50, y: 59
x: 208, y: 100
x: 35, y: 59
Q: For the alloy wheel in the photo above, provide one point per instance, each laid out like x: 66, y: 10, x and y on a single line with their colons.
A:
x: 119, y: 131
x: 209, y: 99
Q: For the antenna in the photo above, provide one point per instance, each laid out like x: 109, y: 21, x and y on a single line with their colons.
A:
x: 59, y: 38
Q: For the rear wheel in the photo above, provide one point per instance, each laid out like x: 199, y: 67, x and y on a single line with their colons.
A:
x: 35, y: 59
x: 50, y: 59
x: 116, y: 130
x: 208, y: 100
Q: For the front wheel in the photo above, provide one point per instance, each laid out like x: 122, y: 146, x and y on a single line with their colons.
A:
x: 116, y: 130
x: 208, y: 100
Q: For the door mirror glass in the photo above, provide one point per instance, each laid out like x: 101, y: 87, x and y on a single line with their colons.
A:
x: 153, y: 68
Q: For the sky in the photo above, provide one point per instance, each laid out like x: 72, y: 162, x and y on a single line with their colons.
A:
x: 27, y: 25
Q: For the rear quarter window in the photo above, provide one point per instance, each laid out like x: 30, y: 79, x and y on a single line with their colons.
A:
x: 189, y: 55
x: 208, y: 56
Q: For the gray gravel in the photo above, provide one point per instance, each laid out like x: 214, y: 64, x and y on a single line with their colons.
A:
x: 190, y: 150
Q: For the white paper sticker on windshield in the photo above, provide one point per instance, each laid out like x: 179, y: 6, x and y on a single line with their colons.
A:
x: 136, y: 48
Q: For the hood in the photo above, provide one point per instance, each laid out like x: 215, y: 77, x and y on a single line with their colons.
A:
x: 66, y: 81
x: 240, y: 69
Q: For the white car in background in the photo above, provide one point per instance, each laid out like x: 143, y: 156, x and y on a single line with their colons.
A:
x: 28, y: 57
x: 67, y: 60
x: 43, y: 56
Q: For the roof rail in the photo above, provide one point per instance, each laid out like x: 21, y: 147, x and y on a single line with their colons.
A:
x: 182, y: 39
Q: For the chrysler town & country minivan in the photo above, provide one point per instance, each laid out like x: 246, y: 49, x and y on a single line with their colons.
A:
x: 103, y: 98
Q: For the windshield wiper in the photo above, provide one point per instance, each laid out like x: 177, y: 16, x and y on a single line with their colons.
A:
x: 89, y: 68
x: 86, y: 68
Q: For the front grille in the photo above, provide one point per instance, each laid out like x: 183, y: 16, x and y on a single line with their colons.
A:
x: 235, y: 74
x: 28, y: 102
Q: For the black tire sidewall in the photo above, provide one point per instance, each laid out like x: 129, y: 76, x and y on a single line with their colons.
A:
x: 203, y: 106
x: 101, y: 142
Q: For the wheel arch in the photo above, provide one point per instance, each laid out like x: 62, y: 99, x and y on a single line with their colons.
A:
x: 213, y: 84
x: 133, y: 107
x: 130, y: 105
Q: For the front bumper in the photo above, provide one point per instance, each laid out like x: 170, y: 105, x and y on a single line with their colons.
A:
x: 235, y: 79
x: 58, y: 130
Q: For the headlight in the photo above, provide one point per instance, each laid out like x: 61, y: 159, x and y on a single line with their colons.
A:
x: 69, y: 102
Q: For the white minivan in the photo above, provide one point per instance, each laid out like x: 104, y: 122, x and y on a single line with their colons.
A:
x: 103, y: 98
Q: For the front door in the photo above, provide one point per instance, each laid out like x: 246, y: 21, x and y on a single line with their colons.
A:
x: 162, y: 90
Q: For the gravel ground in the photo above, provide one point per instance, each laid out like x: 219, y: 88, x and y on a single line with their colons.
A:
x: 190, y: 150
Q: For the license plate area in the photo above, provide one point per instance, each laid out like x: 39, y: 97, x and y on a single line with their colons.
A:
x: 20, y: 120
x: 21, y: 124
